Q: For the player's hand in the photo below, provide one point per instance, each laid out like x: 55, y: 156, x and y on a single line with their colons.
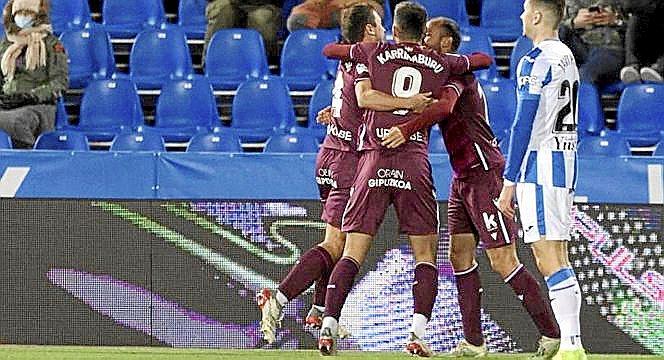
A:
x: 584, y: 18
x: 324, y: 116
x: 394, y: 138
x: 505, y: 201
x: 419, y: 102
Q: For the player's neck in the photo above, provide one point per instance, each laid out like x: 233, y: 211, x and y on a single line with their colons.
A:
x: 544, y: 35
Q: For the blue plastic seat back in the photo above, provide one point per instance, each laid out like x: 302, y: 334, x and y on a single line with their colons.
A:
x: 591, y: 115
x: 236, y: 53
x: 289, y: 143
x: 61, y: 117
x: 133, y: 13
x: 640, y: 111
x: 475, y: 39
x: 522, y: 47
x: 160, y: 54
x: 453, y: 9
x: 321, y: 98
x: 436, y: 142
x: 263, y: 104
x: 138, y: 141
x: 62, y: 140
x: 500, y: 96
x: 89, y: 52
x: 502, y: 19
x: 609, y: 144
x: 5, y: 140
x: 192, y: 13
x: 302, y: 54
x: 186, y: 103
x: 216, y: 142
x: 110, y: 104
x: 69, y: 14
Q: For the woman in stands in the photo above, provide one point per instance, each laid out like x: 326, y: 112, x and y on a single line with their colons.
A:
x: 33, y: 72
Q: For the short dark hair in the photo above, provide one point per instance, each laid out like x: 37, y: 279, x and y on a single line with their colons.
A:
x: 557, y: 8
x: 451, y: 28
x: 355, y: 19
x: 411, y: 18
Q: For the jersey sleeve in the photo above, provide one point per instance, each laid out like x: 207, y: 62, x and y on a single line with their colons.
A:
x: 458, y: 64
x: 534, y: 73
x: 360, y: 54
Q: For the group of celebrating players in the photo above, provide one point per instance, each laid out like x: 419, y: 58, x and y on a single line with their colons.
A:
x: 386, y: 98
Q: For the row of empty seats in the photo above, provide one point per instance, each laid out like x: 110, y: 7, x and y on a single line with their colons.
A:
x: 158, y: 55
x: 609, y: 144
x: 221, y: 141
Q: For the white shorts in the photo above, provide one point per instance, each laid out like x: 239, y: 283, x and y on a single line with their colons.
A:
x: 545, y: 211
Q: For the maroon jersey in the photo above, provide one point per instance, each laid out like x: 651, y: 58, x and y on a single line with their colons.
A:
x: 402, y: 70
x: 468, y: 137
x: 347, y: 116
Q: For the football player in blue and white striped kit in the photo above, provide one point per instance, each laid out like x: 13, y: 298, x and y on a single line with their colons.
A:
x: 541, y: 163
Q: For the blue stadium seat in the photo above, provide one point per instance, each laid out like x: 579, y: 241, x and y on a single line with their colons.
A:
x: 138, y: 141
x: 609, y: 144
x: 302, y: 62
x: 260, y: 106
x: 289, y: 143
x: 233, y: 55
x: 5, y: 140
x: 502, y: 19
x: 521, y: 48
x: 62, y: 140
x: 641, y: 114
x: 436, y: 142
x: 591, y: 115
x: 184, y: 108
x: 125, y: 19
x: 159, y: 55
x: 321, y: 98
x: 61, y: 117
x: 107, y: 107
x: 452, y: 9
x: 500, y: 96
x: 387, y: 18
x: 191, y: 18
x: 89, y: 55
x: 476, y: 39
x: 69, y: 14
x: 215, y: 142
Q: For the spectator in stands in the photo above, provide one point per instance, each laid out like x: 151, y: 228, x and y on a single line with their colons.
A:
x: 34, y: 72
x: 594, y: 31
x: 644, y: 51
x: 262, y: 15
x: 324, y: 14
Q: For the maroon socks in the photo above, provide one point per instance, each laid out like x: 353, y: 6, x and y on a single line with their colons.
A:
x: 528, y: 290
x: 315, y: 264
x: 469, y: 293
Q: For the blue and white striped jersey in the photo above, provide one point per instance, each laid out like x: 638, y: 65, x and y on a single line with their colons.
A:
x: 547, y: 74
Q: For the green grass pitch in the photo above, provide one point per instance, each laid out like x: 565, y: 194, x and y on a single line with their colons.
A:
x: 11, y: 352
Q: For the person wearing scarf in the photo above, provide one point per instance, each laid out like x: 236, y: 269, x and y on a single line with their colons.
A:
x: 33, y: 72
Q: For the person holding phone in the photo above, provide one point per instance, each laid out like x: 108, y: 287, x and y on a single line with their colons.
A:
x: 595, y: 31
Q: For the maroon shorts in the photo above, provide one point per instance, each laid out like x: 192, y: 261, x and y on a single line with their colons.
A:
x: 400, y: 178
x: 335, y: 171
x: 472, y: 209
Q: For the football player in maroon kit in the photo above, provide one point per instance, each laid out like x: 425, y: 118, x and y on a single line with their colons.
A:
x: 394, y: 176
x: 335, y: 168
x: 473, y: 216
